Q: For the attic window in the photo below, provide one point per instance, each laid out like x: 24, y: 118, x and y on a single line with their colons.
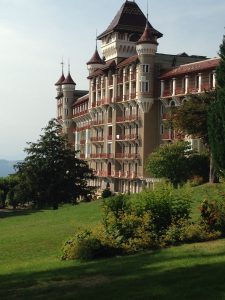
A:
x: 134, y: 37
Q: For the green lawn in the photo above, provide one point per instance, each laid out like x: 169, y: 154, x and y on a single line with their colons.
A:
x: 30, y: 268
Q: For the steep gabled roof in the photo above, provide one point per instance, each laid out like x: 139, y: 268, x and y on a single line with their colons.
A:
x: 129, y: 18
x: 194, y: 67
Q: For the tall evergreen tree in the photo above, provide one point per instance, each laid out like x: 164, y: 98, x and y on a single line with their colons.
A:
x: 51, y: 173
x: 216, y: 117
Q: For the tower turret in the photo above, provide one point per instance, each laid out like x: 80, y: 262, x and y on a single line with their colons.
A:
x: 95, y: 62
x: 68, y: 88
x: 146, y: 48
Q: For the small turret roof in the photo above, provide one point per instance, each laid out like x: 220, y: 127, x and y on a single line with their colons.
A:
x: 60, y: 81
x: 95, y: 59
x: 129, y: 18
x: 69, y: 80
x: 148, y: 36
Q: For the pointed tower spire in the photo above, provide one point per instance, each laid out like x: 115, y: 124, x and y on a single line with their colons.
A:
x: 62, y: 77
x: 95, y: 59
x: 69, y: 79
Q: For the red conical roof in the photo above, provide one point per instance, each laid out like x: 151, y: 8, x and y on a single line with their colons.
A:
x: 148, y: 36
x: 61, y: 79
x: 69, y: 80
x: 96, y: 59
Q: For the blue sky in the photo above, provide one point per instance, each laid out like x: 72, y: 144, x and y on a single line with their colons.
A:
x: 35, y: 34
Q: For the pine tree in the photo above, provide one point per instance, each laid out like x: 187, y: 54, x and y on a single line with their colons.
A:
x: 216, y: 117
x: 51, y: 173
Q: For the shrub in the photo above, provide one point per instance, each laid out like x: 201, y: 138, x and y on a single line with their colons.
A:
x: 106, y: 193
x: 129, y: 231
x: 84, y: 245
x: 213, y: 214
x: 187, y: 232
x: 165, y: 203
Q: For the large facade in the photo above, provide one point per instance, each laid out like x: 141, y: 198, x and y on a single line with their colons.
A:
x: 119, y: 121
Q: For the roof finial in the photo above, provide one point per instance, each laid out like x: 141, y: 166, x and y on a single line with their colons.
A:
x: 68, y: 66
x: 62, y: 63
x: 147, y: 10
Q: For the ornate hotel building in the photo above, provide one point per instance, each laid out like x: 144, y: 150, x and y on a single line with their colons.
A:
x: 119, y: 121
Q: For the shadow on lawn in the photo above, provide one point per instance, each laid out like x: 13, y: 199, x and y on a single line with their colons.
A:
x: 149, y: 276
x: 6, y: 213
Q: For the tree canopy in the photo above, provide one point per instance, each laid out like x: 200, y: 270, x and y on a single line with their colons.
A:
x: 51, y: 173
x: 176, y: 162
x: 191, y: 117
x: 216, y: 117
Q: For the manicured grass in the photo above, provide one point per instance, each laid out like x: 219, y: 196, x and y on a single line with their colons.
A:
x: 30, y: 268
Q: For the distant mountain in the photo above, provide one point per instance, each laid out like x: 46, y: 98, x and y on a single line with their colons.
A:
x: 6, y: 167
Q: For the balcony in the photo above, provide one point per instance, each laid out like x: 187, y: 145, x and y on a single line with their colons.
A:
x: 82, y: 142
x: 125, y: 174
x: 180, y: 91
x: 126, y: 78
x: 126, y: 97
x: 130, y: 118
x: 132, y: 136
x: 117, y: 174
x: 104, y: 101
x: 133, y: 76
x: 133, y: 96
x: 111, y: 81
x: 102, y: 155
x: 120, y: 80
x: 127, y: 156
x: 97, y: 122
x: 81, y: 113
x: 82, y: 128
x: 119, y: 98
x: 97, y: 139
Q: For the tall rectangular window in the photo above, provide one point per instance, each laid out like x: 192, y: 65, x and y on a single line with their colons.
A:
x: 145, y: 68
x: 144, y: 86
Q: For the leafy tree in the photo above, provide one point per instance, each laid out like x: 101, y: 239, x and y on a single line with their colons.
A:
x: 191, y: 117
x: 51, y: 173
x: 216, y: 116
x: 176, y: 162
x: 6, y: 184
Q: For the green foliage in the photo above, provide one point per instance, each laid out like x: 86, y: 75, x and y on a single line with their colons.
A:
x: 177, y: 162
x: 216, y: 117
x: 191, y: 117
x: 2, y: 200
x: 106, y: 193
x: 213, y: 214
x: 51, y: 173
x: 164, y: 204
x: 184, y: 231
x: 82, y: 246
